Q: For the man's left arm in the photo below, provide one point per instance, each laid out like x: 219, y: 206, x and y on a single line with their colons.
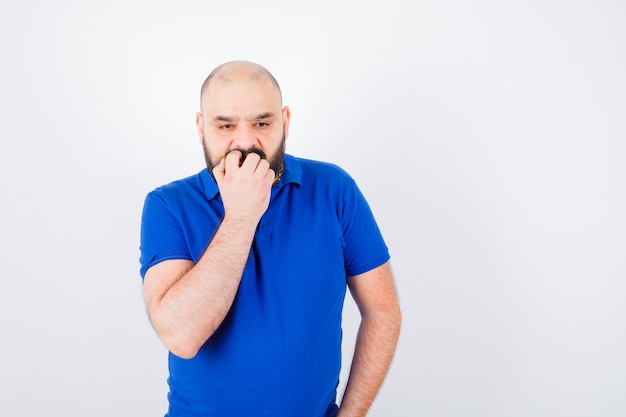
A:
x: 376, y: 297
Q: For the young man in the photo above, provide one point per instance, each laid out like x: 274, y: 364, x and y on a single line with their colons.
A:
x: 245, y: 267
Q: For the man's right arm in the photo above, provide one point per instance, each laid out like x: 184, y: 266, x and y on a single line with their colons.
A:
x: 186, y: 302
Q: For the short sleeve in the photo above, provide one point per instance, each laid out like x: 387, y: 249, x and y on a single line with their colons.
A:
x: 364, y: 246
x: 162, y: 236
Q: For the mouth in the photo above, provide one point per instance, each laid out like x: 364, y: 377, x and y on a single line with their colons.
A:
x: 245, y: 152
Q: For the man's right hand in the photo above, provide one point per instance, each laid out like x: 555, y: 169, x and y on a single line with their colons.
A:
x: 245, y: 188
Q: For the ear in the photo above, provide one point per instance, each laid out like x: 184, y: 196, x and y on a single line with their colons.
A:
x: 200, y: 126
x: 286, y: 117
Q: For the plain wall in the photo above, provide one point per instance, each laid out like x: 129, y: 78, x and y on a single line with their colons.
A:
x: 489, y: 138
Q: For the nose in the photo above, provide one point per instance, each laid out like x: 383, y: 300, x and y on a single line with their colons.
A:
x: 245, y: 137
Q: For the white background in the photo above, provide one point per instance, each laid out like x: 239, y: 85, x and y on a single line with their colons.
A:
x: 489, y: 138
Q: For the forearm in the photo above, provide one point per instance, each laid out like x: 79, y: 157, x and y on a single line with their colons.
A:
x: 195, y: 305
x: 375, y: 346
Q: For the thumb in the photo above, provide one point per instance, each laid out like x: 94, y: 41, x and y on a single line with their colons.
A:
x: 219, y: 171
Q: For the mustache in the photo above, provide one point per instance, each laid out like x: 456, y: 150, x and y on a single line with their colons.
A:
x: 245, y: 152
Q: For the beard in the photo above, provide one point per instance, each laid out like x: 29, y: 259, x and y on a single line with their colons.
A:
x: 276, y: 159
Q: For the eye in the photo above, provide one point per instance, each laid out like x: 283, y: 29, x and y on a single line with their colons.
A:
x: 226, y: 126
x: 262, y: 124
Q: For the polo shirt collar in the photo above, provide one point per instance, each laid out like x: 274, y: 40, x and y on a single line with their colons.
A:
x: 291, y: 174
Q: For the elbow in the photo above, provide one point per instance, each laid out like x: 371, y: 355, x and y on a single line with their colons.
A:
x: 183, y: 350
x: 181, y: 342
x: 387, y: 319
x: 398, y: 315
x: 182, y: 346
x: 392, y: 318
x: 396, y: 319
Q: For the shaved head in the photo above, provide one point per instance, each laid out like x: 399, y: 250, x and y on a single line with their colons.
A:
x: 237, y: 70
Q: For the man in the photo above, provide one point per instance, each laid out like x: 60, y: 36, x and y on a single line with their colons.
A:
x: 245, y: 267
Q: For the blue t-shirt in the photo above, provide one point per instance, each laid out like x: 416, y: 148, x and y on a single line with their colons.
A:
x: 278, y: 351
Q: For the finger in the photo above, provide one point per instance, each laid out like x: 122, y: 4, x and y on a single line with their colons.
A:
x: 262, y: 165
x: 219, y: 169
x: 270, y: 175
x: 251, y: 162
x: 232, y: 160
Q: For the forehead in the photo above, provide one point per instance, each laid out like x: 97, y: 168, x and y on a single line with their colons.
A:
x: 243, y: 94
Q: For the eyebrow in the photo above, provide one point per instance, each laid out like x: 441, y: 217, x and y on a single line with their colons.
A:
x: 266, y: 115
x: 219, y: 118
x: 229, y: 119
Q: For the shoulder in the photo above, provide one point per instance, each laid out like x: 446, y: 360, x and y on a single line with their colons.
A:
x: 180, y: 188
x: 180, y: 195
x: 316, y: 170
x: 320, y: 166
x: 192, y: 181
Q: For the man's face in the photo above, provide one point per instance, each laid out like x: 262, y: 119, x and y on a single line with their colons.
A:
x: 243, y: 114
